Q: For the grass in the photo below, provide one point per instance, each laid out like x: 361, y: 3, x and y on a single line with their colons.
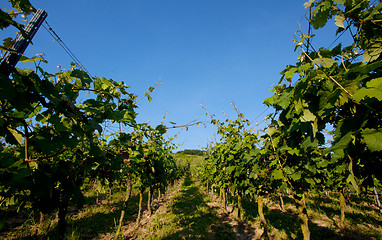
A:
x: 92, y: 221
x: 193, y: 213
x: 187, y: 216
x: 361, y: 222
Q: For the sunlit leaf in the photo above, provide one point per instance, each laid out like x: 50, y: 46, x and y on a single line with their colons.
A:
x: 308, y: 4
x: 351, y: 179
x: 296, y: 176
x: 327, y: 62
x: 230, y: 169
x: 148, y: 96
x: 339, y: 21
x: 372, y: 89
x: 18, y: 137
x: 29, y: 60
x: 289, y: 74
x: 277, y: 174
x: 307, y: 116
x: 373, y: 139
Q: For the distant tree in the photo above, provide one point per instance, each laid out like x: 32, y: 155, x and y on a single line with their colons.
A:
x: 192, y: 152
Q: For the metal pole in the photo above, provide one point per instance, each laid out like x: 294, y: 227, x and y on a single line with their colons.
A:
x: 377, y: 199
x: 22, y: 43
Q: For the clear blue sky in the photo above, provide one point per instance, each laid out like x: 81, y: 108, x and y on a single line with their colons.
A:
x: 205, y: 52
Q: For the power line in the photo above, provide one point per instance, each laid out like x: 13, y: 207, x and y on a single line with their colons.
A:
x: 337, y: 38
x: 260, y: 115
x: 65, y: 47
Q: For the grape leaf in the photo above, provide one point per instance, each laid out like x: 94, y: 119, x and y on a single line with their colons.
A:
x: 308, y: 4
x: 372, y: 89
x: 18, y: 137
x: 307, y: 116
x: 148, y: 96
x: 289, y: 74
x: 327, y: 62
x: 29, y: 60
x: 373, y: 139
x: 277, y: 174
x: 339, y: 21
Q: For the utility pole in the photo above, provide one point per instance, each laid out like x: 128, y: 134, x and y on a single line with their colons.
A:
x: 18, y: 48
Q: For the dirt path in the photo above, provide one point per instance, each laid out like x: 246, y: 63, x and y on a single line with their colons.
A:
x: 189, y: 213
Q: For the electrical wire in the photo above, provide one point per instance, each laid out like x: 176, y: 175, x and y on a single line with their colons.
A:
x: 337, y: 39
x: 260, y: 115
x: 50, y: 30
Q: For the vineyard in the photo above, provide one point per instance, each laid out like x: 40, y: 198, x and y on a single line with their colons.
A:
x: 314, y: 171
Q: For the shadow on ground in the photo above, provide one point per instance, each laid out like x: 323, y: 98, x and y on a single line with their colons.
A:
x: 289, y: 223
x: 195, y: 219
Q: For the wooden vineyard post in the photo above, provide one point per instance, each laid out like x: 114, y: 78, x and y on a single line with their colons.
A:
x: 260, y: 207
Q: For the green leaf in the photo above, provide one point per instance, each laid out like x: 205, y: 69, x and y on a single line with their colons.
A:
x: 81, y: 75
x: 373, y: 139
x: 320, y: 16
x: 23, y: 6
x: 339, y: 1
x: 353, y: 182
x: 252, y: 175
x: 339, y: 147
x: 271, y: 131
x: 293, y: 151
x: 148, y: 96
x: 372, y: 89
x: 104, y: 83
x: 128, y: 116
x: 296, y: 176
x: 16, y: 135
x: 307, y: 116
x: 316, y: 61
x: 310, y: 181
x: 277, y: 174
x: 33, y: 165
x: 323, y: 163
x: 29, y: 60
x: 284, y: 100
x: 230, y: 169
x: 289, y: 74
x: 324, y: 53
x: 336, y: 50
x: 305, y: 67
x: 161, y: 128
x: 373, y: 52
x: 327, y: 62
